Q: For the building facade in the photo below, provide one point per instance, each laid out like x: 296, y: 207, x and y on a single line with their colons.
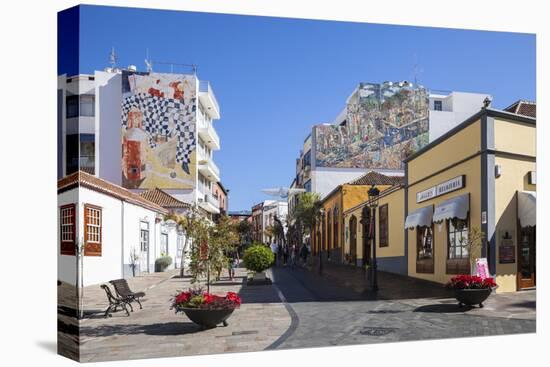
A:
x: 159, y: 126
x: 380, y: 125
x: 330, y: 234
x: 121, y: 233
x: 478, y: 180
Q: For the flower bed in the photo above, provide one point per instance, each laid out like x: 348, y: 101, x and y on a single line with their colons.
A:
x: 470, y: 282
x: 197, y: 298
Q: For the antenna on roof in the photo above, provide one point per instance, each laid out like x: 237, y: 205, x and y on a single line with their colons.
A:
x: 416, y: 69
x: 148, y: 62
x: 113, y: 58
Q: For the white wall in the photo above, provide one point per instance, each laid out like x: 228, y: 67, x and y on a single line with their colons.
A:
x: 108, y: 266
x: 66, y: 264
x: 108, y: 92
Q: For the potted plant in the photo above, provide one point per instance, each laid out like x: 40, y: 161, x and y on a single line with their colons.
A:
x: 162, y: 263
x: 258, y: 258
x: 206, y: 309
x: 471, y: 289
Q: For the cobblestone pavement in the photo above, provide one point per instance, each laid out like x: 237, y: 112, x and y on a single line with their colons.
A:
x: 155, y: 331
x: 300, y: 309
x: 328, y: 313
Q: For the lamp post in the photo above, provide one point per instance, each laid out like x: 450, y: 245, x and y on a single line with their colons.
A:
x: 373, y: 203
x: 322, y: 242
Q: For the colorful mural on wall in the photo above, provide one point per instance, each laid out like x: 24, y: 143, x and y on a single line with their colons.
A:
x: 384, y: 123
x: 158, y: 130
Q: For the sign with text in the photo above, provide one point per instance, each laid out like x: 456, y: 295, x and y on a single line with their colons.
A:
x: 453, y: 184
x: 482, y: 268
x: 506, y: 248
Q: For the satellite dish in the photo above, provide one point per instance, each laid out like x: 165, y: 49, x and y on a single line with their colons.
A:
x: 282, y: 192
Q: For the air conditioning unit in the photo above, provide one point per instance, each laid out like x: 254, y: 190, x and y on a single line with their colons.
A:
x: 532, y: 177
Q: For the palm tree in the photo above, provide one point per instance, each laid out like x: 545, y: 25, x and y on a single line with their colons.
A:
x: 307, y: 213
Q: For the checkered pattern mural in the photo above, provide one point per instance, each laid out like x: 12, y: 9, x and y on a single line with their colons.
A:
x: 166, y: 117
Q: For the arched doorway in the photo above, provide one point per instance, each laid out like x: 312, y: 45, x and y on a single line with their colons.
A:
x: 365, y: 222
x: 353, y: 239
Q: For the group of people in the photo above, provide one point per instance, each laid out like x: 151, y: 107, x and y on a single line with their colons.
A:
x: 289, y: 254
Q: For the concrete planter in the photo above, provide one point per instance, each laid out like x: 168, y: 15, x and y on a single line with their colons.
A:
x: 472, y: 296
x: 259, y: 277
x: 208, y: 318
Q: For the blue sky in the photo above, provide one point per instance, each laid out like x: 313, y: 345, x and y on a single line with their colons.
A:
x: 274, y: 78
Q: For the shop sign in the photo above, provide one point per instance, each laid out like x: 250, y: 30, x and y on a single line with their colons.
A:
x: 506, y: 249
x: 443, y: 188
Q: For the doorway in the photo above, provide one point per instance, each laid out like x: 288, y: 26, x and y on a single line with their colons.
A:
x: 353, y: 239
x: 527, y: 258
x: 366, y: 227
x: 144, y: 247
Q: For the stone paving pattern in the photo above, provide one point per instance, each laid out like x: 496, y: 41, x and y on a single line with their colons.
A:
x: 300, y: 309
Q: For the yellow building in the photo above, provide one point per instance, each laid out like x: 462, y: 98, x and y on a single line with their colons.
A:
x: 476, y: 181
x: 329, y: 234
x: 478, y: 176
x: 388, y: 232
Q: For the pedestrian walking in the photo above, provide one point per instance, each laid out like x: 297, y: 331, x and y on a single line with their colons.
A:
x: 233, y: 263
x: 293, y: 255
x: 304, y: 253
x: 285, y: 254
x: 275, y: 251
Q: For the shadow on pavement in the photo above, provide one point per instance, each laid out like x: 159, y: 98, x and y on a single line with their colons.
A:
x: 443, y: 308
x: 527, y: 304
x: 167, y: 328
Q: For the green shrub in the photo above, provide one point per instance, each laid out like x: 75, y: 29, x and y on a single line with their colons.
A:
x: 258, y: 258
x: 163, y: 262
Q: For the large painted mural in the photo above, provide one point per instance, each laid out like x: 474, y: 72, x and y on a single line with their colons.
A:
x: 384, y: 123
x: 158, y: 130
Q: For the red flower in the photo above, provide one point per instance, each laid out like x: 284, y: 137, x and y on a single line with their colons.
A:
x: 183, y: 297
x: 233, y: 297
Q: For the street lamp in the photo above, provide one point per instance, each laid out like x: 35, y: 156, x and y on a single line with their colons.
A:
x: 373, y: 203
x: 321, y: 242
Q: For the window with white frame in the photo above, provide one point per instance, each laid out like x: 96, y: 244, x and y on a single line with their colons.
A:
x: 144, y: 237
x: 164, y: 243
x: 92, y: 230
x: 67, y: 219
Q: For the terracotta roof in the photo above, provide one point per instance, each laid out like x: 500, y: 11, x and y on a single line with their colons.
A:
x: 525, y: 108
x: 163, y: 199
x: 376, y: 178
x: 83, y: 179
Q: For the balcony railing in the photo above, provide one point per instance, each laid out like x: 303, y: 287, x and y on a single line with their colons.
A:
x: 204, y: 87
x: 207, y: 131
x: 212, y: 200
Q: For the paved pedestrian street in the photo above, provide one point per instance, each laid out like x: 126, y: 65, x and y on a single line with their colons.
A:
x: 300, y: 309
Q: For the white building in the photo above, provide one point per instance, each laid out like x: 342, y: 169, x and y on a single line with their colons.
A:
x: 273, y: 210
x: 91, y: 134
x: 111, y: 223
x: 445, y: 110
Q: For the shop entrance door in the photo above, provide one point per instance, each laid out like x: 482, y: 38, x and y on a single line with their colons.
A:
x: 366, y: 227
x: 353, y: 239
x: 526, y: 258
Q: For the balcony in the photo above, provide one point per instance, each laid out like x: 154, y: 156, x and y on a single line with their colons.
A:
x: 209, y: 169
x: 208, y: 133
x: 209, y: 203
x: 208, y: 99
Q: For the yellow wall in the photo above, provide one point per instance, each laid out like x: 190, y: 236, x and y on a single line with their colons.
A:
x: 463, y: 144
x: 472, y: 170
x: 519, y: 138
x: 396, y: 219
x: 329, y: 203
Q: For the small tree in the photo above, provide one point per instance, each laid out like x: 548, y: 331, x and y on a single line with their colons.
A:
x: 244, y: 229
x: 134, y: 259
x: 473, y: 243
